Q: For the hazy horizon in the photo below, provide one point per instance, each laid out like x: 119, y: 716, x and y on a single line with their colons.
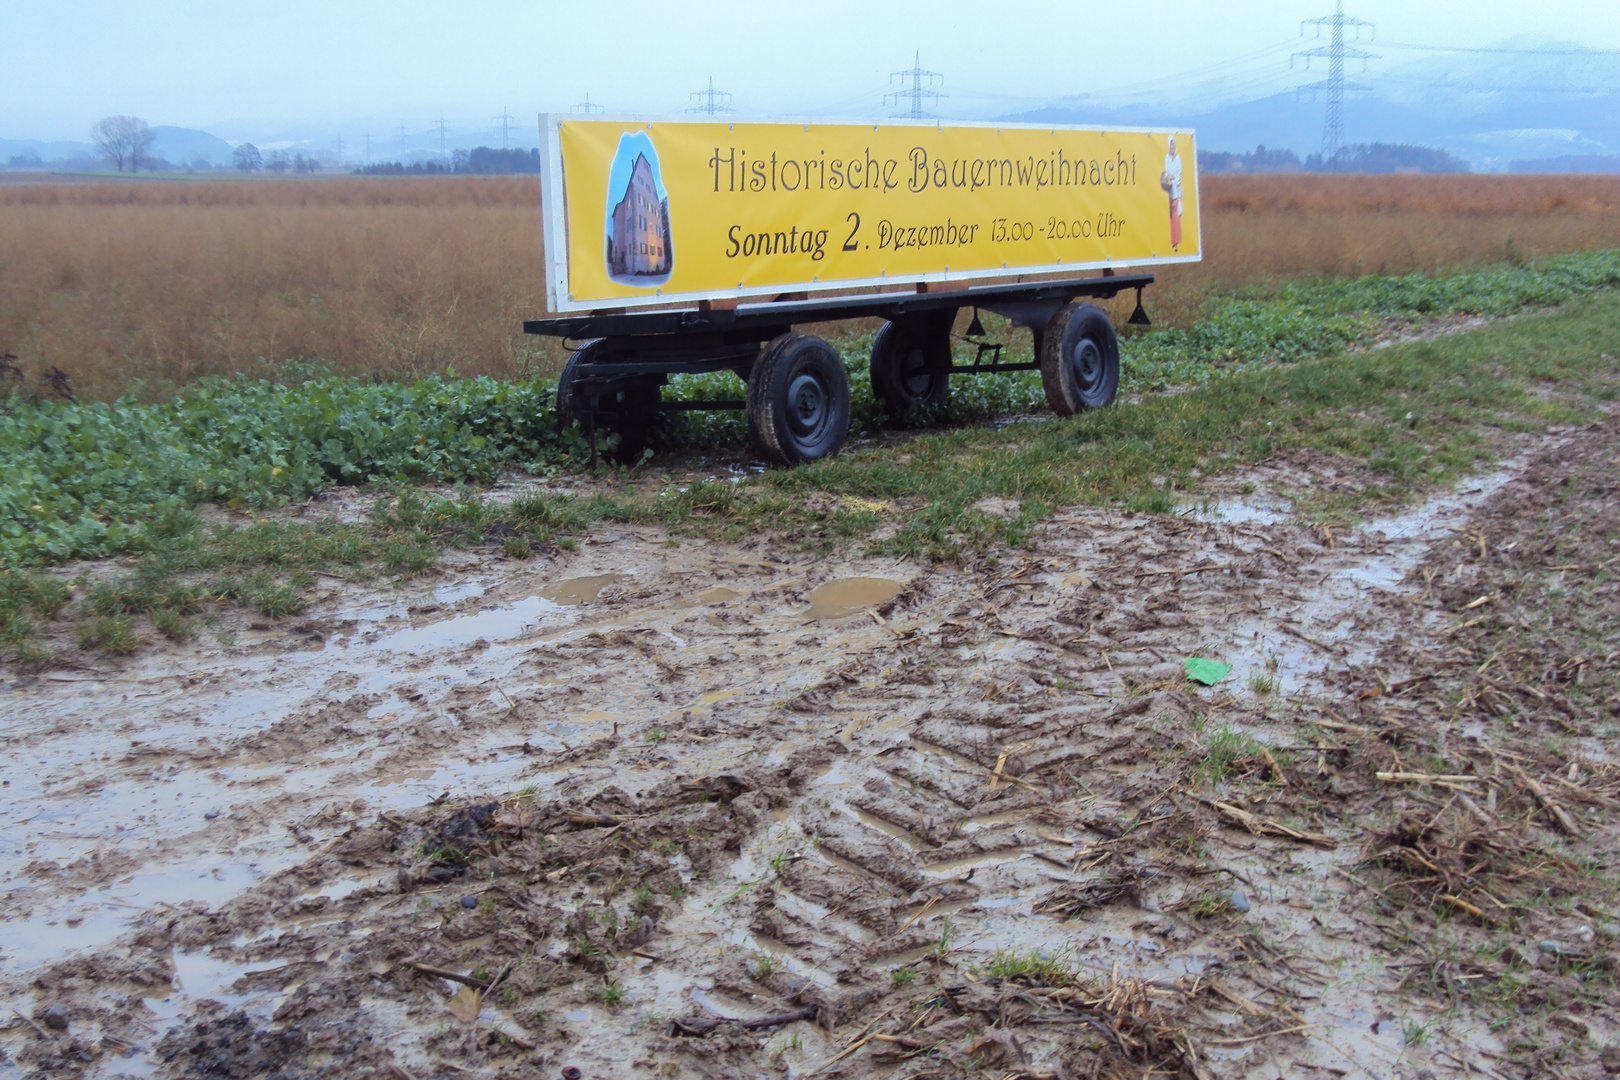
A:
x: 305, y: 72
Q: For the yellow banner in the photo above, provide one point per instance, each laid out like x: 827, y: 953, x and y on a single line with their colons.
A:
x: 653, y: 212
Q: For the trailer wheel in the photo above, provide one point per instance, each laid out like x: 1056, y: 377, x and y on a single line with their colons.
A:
x: 1079, y: 358
x: 907, y: 363
x: 798, y: 400
x: 629, y: 410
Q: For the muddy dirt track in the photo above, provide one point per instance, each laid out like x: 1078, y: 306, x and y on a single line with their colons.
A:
x: 659, y: 808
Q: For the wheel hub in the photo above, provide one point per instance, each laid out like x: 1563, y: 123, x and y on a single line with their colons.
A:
x: 807, y: 405
x: 916, y: 381
x: 1087, y: 364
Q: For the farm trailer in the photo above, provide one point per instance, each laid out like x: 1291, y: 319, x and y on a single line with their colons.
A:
x: 682, y: 248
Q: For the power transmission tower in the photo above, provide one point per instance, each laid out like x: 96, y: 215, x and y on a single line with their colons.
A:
x: 442, y: 151
x: 506, y: 126
x: 1336, y: 52
x: 340, y: 150
x: 710, y: 101
x: 588, y: 106
x: 917, y: 91
x: 402, y: 143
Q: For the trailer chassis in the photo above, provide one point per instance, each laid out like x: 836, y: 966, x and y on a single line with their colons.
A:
x: 798, y: 393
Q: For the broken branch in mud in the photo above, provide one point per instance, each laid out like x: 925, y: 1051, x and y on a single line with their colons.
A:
x: 31, y: 1023
x: 1261, y: 826
x: 1473, y: 909
x: 698, y: 1026
x: 464, y: 980
x: 594, y: 820
x: 1263, y: 1035
x: 1181, y: 573
x: 1559, y: 814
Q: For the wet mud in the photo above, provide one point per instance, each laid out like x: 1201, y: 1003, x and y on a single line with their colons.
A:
x: 663, y: 809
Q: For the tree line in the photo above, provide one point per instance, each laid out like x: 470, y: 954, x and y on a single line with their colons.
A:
x: 479, y: 161
x: 248, y: 160
x: 1360, y: 158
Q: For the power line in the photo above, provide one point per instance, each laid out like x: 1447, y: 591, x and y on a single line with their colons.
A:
x: 917, y: 91
x: 710, y: 101
x: 1504, y: 51
x: 588, y: 106
x: 1334, y: 85
x: 506, y: 126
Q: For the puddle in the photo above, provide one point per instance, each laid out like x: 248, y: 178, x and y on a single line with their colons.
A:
x: 905, y: 836
x: 984, y: 858
x: 1246, y: 511
x: 843, y: 597
x: 450, y: 594
x: 493, y: 624
x: 717, y: 595
x: 201, y: 975
x: 102, y: 914
x: 579, y: 590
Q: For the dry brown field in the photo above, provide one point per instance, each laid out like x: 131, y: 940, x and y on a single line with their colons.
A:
x: 163, y: 282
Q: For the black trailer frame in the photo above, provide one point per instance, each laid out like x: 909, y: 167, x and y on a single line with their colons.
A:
x: 798, y: 399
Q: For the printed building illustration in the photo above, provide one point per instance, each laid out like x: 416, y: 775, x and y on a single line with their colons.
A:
x: 638, y: 236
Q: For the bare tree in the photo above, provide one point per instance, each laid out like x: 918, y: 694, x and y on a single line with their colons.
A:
x: 124, y: 140
x: 278, y: 162
x: 246, y: 157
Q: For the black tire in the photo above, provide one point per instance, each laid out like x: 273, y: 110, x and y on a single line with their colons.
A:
x: 798, y: 400
x: 1079, y: 360
x: 907, y: 363
x: 631, y: 412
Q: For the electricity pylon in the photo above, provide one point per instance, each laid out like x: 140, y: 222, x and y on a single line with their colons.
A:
x: 1336, y: 53
x: 710, y: 101
x: 917, y: 91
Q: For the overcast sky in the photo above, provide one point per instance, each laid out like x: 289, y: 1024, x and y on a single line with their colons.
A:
x: 298, y: 68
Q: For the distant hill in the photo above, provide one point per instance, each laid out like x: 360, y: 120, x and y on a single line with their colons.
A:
x: 1491, y: 110
x: 187, y: 146
x: 1574, y: 163
x: 32, y: 153
x: 180, y: 147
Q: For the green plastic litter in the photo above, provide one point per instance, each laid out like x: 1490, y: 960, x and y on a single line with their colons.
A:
x: 1208, y: 672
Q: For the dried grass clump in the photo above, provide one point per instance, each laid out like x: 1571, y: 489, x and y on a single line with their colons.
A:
x: 1455, y: 862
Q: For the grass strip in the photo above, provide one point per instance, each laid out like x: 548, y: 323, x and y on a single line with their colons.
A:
x: 89, y: 479
x: 1410, y: 417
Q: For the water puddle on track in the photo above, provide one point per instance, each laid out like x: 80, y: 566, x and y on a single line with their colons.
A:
x: 844, y: 597
x: 492, y: 624
x: 717, y: 595
x: 579, y: 590
x: 104, y: 913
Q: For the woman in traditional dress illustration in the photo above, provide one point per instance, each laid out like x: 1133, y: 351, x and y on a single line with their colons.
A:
x: 1170, y: 181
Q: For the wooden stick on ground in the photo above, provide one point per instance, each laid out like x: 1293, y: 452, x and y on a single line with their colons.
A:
x: 464, y: 980
x: 840, y: 1056
x: 1560, y: 815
